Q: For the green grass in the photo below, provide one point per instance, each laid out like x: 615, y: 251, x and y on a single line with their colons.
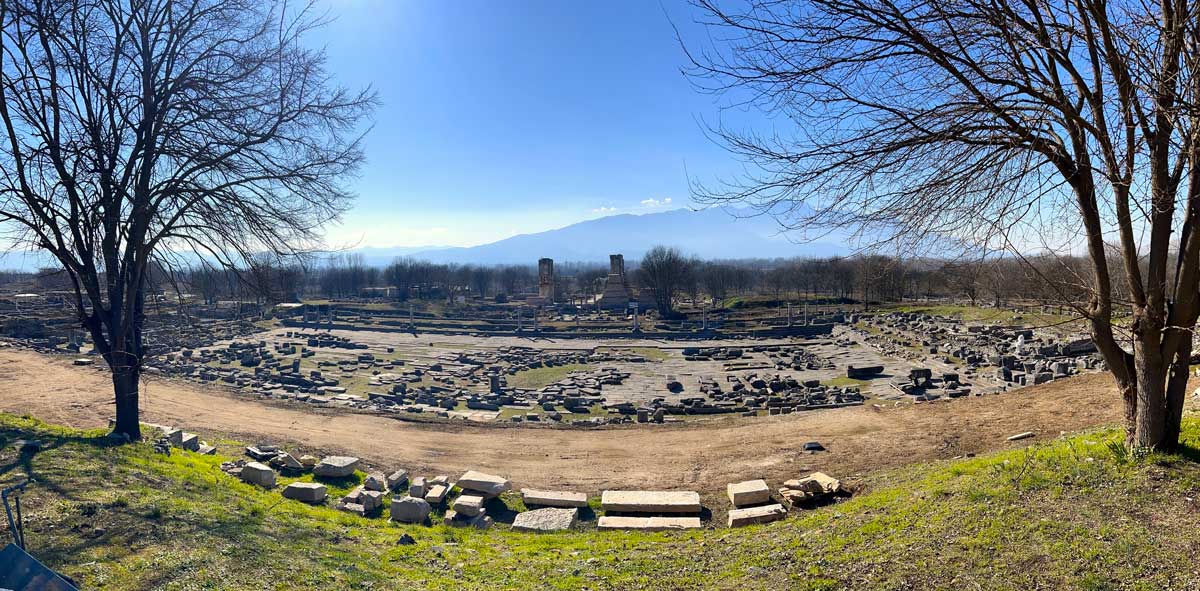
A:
x: 844, y: 381
x: 543, y: 376
x: 981, y: 314
x: 650, y: 353
x: 1071, y: 513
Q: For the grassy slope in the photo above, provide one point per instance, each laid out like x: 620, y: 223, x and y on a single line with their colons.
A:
x: 1066, y: 514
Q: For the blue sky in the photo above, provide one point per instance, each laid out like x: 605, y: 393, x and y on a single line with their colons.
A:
x: 501, y: 118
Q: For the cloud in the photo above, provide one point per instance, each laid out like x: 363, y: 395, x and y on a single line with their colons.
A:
x: 652, y: 202
x: 438, y: 230
x: 603, y: 209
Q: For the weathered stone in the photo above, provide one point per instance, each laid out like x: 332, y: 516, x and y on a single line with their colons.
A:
x: 1020, y: 436
x: 286, y: 461
x: 418, y: 488
x: 308, y: 492
x: 750, y: 492
x: 650, y: 501
x: 410, y: 510
x: 469, y: 505
x: 375, y: 481
x: 354, y: 508
x: 815, y: 485
x: 371, y: 500
x: 256, y: 473
x: 485, y: 484
x: 397, y: 479
x: 552, y: 498
x: 437, y: 494
x: 749, y: 515
x: 609, y: 522
x: 190, y: 441
x: 453, y: 519
x: 550, y: 519
x: 336, y: 466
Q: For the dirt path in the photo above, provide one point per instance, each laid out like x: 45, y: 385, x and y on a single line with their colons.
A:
x: 697, y: 456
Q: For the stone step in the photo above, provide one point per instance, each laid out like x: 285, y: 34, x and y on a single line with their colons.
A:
x: 553, y: 498
x: 650, y: 501
x: 763, y: 514
x: 609, y: 522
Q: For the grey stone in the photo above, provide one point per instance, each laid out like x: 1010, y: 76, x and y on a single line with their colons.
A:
x: 410, y: 510
x: 256, y: 473
x: 549, y: 519
x: 749, y: 515
x: 336, y: 466
x: 553, y: 498
x: 308, y: 492
x: 485, y: 484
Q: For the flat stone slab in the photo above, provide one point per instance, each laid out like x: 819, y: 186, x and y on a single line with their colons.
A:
x: 763, y: 514
x: 651, y: 501
x: 487, y: 484
x: 336, y: 466
x: 553, y: 498
x: 549, y: 519
x: 308, y: 492
x: 609, y: 522
x: 750, y: 492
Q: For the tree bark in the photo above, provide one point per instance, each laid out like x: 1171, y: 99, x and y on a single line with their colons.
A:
x: 1177, y: 391
x: 125, y: 385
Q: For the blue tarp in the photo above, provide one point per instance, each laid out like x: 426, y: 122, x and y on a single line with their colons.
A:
x: 21, y: 572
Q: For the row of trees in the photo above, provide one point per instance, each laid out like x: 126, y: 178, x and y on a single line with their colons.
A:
x: 663, y: 278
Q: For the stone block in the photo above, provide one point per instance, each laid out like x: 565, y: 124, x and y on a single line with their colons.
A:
x: 750, y: 492
x: 453, y: 519
x: 397, y: 479
x: 549, y: 519
x: 609, y: 522
x: 469, y: 505
x: 418, y: 487
x: 375, y: 481
x: 256, y: 473
x: 410, y: 510
x: 371, y: 500
x: 485, y: 484
x: 650, y: 501
x: 762, y: 514
x: 190, y: 442
x: 308, y: 492
x: 336, y: 467
x: 552, y: 498
x: 437, y: 493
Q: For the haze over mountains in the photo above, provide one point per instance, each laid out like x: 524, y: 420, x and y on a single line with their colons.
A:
x: 710, y: 234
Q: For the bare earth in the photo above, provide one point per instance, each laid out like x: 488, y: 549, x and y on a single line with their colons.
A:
x: 703, y: 456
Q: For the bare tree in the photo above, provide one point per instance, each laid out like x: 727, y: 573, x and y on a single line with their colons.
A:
x: 665, y: 272
x: 134, y: 131
x: 959, y: 120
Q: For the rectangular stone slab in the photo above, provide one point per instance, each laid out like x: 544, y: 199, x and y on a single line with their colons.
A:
x: 609, y: 522
x: 749, y: 515
x: 750, y: 492
x: 487, y: 484
x: 651, y: 501
x: 553, y: 498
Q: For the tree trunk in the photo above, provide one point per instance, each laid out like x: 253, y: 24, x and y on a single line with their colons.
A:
x: 125, y: 386
x: 1177, y: 391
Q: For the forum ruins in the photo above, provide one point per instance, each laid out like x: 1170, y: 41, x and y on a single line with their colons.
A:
x: 534, y: 362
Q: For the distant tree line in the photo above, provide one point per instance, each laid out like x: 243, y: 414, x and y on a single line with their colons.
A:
x: 664, y: 279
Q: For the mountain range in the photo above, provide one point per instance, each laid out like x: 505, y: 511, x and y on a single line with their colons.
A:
x: 712, y: 233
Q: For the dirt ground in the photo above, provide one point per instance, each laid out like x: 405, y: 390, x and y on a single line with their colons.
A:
x: 702, y: 456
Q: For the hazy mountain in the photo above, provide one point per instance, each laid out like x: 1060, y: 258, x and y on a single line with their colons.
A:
x: 709, y: 234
